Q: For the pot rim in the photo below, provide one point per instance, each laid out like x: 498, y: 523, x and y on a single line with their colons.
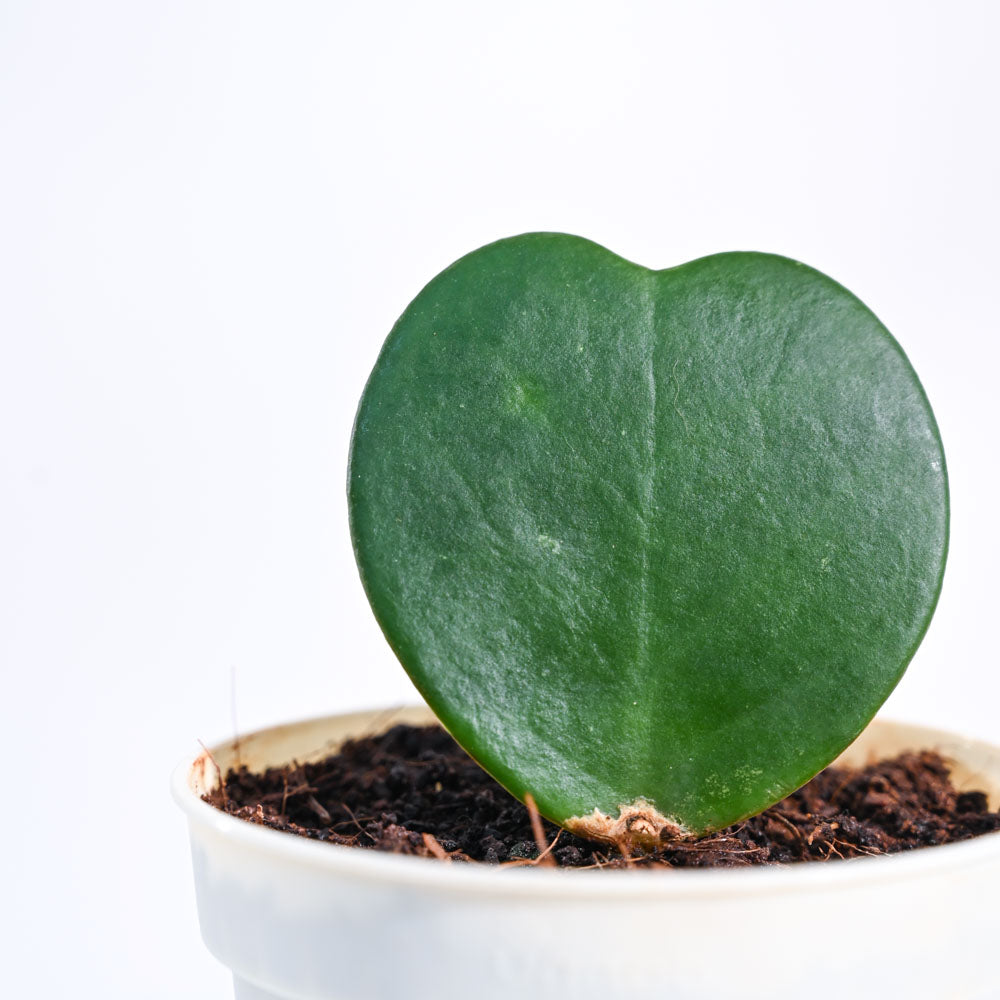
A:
x: 551, y: 884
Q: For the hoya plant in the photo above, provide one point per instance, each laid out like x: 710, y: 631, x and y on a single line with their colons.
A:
x: 653, y: 545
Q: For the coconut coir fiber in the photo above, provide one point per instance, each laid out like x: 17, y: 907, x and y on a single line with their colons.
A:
x: 413, y: 790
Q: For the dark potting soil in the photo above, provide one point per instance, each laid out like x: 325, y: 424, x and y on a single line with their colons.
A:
x: 413, y: 790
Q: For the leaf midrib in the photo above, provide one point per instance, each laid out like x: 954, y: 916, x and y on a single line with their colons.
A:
x: 646, y: 698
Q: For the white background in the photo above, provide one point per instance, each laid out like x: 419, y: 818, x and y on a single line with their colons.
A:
x: 210, y: 216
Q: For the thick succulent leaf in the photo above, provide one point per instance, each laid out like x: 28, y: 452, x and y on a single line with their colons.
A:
x: 666, y: 537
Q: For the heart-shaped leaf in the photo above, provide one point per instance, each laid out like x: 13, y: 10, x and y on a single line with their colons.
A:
x: 654, y: 545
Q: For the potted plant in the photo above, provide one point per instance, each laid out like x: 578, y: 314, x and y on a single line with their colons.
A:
x: 654, y: 546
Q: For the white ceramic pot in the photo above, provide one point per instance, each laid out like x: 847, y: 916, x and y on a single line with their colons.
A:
x: 304, y: 920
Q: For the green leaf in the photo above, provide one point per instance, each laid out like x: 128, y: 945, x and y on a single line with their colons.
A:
x: 660, y: 541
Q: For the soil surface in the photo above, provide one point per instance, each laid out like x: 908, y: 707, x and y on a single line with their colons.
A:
x: 412, y: 790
